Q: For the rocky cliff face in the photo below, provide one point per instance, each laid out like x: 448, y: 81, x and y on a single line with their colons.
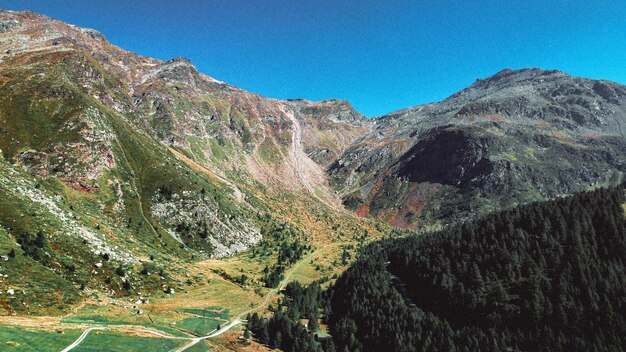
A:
x: 514, y: 137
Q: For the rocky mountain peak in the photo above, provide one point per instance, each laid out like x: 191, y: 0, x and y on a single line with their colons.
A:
x: 515, y: 131
x: 337, y: 110
x: 507, y: 79
x: 36, y: 28
x: 94, y: 34
x: 530, y: 94
x: 7, y: 23
x: 511, y: 77
x: 178, y: 62
x: 178, y: 69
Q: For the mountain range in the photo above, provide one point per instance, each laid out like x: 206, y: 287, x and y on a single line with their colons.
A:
x: 110, y: 157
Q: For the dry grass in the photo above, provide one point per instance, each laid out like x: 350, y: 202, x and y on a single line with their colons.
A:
x: 47, y: 323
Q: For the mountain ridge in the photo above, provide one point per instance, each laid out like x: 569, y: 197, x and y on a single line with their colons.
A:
x: 534, y: 109
x: 122, y: 156
x: 98, y: 36
x: 183, y: 108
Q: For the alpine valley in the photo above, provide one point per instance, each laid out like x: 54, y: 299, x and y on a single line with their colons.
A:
x: 161, y: 207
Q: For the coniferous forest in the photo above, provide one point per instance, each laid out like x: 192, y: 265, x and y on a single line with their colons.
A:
x: 546, y: 276
x: 542, y: 277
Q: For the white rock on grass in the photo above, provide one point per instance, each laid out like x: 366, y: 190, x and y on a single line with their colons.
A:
x: 23, y: 188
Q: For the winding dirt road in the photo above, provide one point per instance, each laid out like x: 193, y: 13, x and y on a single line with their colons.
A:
x: 81, y: 338
x: 194, y: 340
x: 222, y: 330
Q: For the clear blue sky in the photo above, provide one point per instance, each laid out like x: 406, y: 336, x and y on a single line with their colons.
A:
x: 380, y: 55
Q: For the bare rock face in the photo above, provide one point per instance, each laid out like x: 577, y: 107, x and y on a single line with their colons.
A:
x: 8, y: 25
x: 178, y: 69
x: 188, y: 213
x: 94, y: 34
x: 466, y: 159
x: 330, y: 127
